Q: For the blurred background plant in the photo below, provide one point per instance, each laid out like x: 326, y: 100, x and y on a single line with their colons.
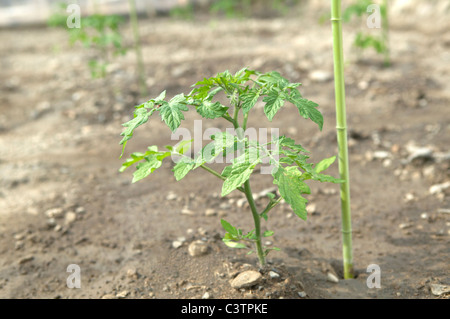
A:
x: 98, y: 32
x: 364, y: 40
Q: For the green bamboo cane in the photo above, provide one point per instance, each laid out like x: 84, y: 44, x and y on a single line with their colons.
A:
x: 341, y: 127
x: 137, y: 47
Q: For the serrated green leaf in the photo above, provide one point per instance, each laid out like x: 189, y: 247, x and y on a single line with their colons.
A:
x: 161, y: 96
x: 240, y: 173
x: 184, y: 166
x: 249, y: 100
x: 141, y: 116
x: 211, y: 110
x: 327, y: 178
x: 137, y: 157
x: 274, y: 101
x: 146, y: 168
x: 308, y: 109
x: 291, y: 188
x: 171, y: 111
x: 290, y: 143
x: 324, y: 164
x: 273, y: 79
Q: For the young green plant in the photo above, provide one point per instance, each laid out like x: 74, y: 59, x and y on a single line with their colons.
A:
x: 290, y: 168
x: 380, y: 43
x: 98, y: 32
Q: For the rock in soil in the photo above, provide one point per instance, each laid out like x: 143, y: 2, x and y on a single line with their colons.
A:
x: 57, y: 212
x: 123, y: 294
x: 332, y: 278
x: 439, y: 290
x: 246, y: 279
x: 198, y: 248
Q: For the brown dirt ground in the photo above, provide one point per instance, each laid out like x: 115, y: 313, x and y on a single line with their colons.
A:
x: 59, y: 134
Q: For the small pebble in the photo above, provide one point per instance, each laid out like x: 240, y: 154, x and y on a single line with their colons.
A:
x: 55, y: 212
x: 70, y: 218
x: 186, y: 211
x: 206, y: 295
x: 210, y: 212
x: 332, y: 278
x: 274, y: 275
x: 198, y: 248
x: 171, y: 196
x: 302, y: 294
x: 25, y: 260
x: 122, y: 294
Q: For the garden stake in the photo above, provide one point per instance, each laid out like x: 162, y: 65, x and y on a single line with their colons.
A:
x: 341, y: 127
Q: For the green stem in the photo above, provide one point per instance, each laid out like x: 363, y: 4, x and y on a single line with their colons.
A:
x: 217, y: 174
x: 271, y: 205
x: 257, y: 220
x: 250, y: 199
x: 244, y: 125
x: 341, y: 126
x: 137, y: 47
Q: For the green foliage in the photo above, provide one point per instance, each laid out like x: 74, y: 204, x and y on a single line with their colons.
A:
x: 98, y: 32
x: 245, y: 88
x: 363, y: 41
x: 185, y: 12
x: 359, y: 9
x: 245, y: 8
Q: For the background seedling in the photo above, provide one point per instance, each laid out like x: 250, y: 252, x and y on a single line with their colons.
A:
x: 98, y: 32
x: 363, y: 40
x: 289, y: 161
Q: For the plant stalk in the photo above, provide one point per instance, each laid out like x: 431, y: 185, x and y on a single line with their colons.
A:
x: 256, y: 219
x: 249, y: 196
x: 341, y: 127
x: 137, y: 48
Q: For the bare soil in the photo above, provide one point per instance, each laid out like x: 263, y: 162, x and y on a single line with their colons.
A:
x: 59, y: 135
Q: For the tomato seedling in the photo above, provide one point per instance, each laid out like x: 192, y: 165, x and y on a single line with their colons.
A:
x: 289, y: 161
x: 99, y: 32
x: 380, y: 43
